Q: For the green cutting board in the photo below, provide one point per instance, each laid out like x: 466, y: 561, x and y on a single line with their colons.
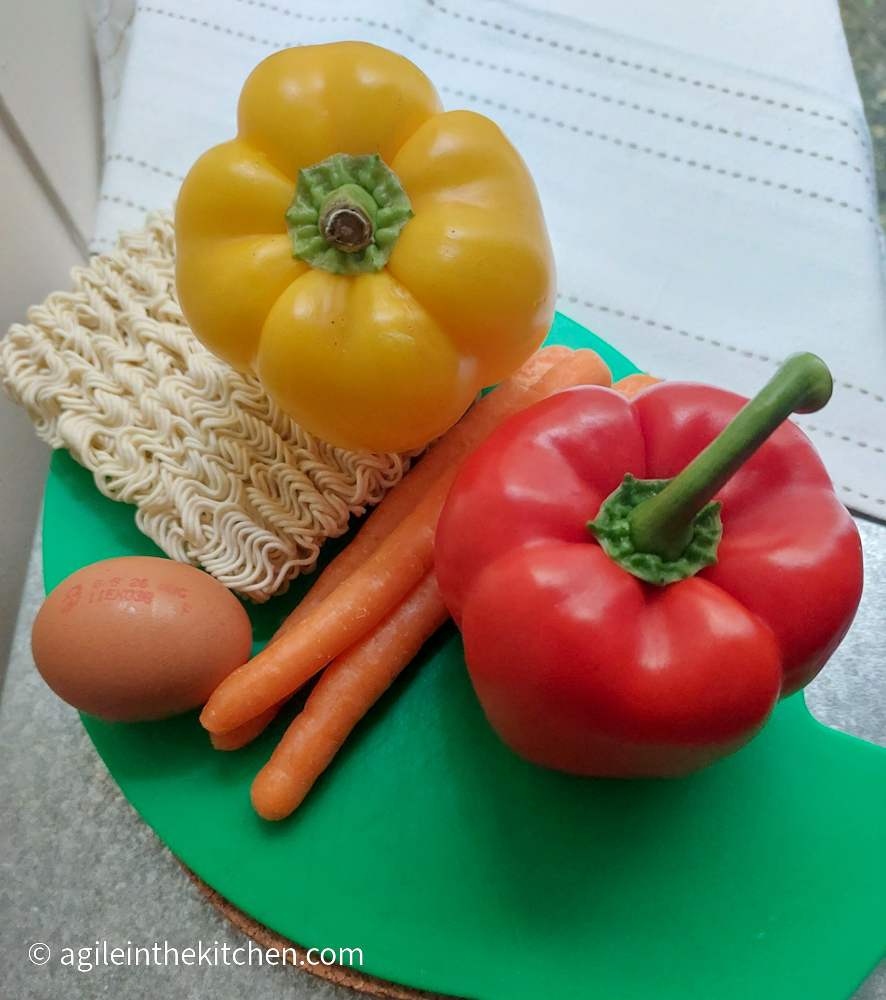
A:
x: 457, y: 867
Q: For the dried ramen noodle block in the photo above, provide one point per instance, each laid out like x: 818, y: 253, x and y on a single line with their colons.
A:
x: 222, y: 479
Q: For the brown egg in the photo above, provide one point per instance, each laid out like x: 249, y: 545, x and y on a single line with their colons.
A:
x: 139, y: 637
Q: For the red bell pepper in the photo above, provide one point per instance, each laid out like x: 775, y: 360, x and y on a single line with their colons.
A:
x: 657, y: 639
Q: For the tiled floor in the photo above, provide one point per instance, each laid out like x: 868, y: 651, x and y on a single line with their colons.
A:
x: 865, y: 25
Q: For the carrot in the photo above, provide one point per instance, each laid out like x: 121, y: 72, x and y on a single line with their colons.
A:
x: 451, y: 448
x: 630, y: 385
x: 455, y: 444
x: 349, y: 687
x: 355, y: 606
x: 233, y: 739
x: 361, y: 601
x: 346, y: 691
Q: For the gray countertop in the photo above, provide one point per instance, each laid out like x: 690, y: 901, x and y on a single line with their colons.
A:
x: 79, y: 866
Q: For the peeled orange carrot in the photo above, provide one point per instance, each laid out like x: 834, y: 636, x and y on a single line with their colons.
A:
x: 361, y: 601
x: 630, y: 385
x: 346, y: 691
x: 450, y: 449
x: 354, y: 607
x: 232, y: 718
x: 453, y: 447
x: 351, y: 684
x: 238, y: 737
x: 458, y: 441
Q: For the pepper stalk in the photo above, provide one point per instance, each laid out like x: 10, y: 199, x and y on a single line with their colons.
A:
x: 666, y: 530
x: 346, y: 214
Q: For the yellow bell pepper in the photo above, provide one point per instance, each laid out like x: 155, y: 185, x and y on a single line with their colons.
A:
x: 375, y: 261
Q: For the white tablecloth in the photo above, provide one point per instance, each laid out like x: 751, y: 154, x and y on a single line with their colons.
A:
x: 705, y: 169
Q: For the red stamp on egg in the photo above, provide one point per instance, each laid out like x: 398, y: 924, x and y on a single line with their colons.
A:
x: 71, y: 598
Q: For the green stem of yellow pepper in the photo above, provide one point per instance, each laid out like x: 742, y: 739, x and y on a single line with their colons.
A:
x: 346, y: 214
x: 348, y: 218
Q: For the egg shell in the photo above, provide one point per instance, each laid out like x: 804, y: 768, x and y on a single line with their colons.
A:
x: 139, y: 637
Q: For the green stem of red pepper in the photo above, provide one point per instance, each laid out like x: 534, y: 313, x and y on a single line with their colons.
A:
x: 666, y: 530
x: 663, y: 524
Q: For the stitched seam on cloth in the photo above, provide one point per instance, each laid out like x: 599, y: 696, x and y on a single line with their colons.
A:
x: 106, y: 16
x: 864, y: 496
x: 681, y: 120
x: 622, y: 313
x: 123, y: 158
x: 174, y: 15
x: 629, y: 64
x: 115, y: 199
x: 815, y: 429
x: 737, y: 175
x: 664, y: 155
x: 604, y: 98
x: 123, y: 32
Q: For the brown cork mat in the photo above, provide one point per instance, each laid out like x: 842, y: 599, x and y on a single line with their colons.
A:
x: 339, y: 974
